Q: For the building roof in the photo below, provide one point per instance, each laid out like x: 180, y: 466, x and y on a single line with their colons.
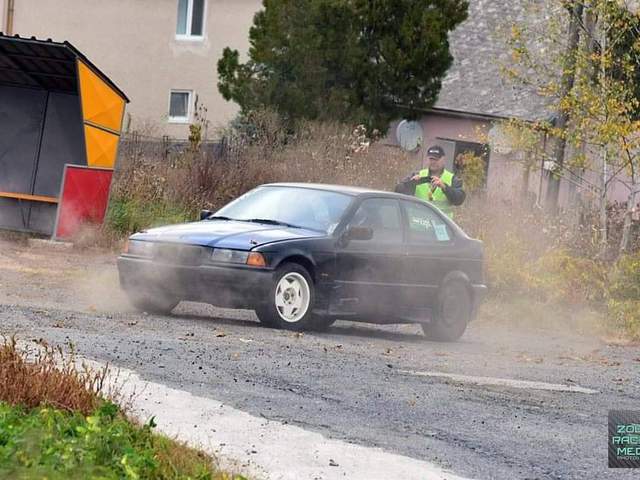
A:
x: 474, y: 83
x: 43, y: 64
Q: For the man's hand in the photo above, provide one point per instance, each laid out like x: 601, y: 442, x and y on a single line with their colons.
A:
x: 437, y: 183
x: 416, y: 177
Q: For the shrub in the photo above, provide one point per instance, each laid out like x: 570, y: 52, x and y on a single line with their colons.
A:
x: 625, y: 278
x: 566, y: 277
x: 624, y: 292
x: 473, y: 171
x: 131, y: 215
x: 624, y: 316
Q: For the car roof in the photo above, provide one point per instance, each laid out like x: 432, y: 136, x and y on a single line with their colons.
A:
x: 347, y: 190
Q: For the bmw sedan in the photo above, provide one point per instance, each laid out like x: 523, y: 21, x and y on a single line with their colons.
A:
x: 305, y: 255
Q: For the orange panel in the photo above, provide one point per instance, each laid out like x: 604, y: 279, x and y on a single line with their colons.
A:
x: 102, y: 147
x: 100, y: 103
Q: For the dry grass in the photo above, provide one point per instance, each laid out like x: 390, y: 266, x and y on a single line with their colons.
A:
x: 174, y: 188
x: 44, y: 376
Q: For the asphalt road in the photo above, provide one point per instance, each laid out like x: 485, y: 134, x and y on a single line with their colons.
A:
x: 369, y: 385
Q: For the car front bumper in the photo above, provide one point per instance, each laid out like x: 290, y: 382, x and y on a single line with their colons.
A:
x: 231, y: 286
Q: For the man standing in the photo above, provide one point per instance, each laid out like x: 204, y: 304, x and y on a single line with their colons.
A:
x: 435, y: 183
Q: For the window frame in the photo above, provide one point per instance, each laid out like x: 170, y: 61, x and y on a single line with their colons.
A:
x: 404, y: 205
x: 189, y: 37
x: 181, y: 120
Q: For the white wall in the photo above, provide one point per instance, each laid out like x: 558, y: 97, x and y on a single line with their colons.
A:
x: 133, y: 42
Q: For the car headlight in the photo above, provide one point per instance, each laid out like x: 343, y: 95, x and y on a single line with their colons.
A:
x: 254, y: 259
x: 229, y: 256
x: 140, y: 248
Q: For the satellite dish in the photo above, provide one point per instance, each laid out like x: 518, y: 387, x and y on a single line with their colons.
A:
x: 498, y: 140
x: 409, y: 135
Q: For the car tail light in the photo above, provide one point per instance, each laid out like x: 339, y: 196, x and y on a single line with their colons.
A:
x: 256, y: 259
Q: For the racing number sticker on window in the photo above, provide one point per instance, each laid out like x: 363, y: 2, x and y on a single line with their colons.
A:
x: 420, y: 224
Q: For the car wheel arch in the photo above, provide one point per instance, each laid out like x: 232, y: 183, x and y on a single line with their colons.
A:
x: 457, y: 276
x: 302, y: 261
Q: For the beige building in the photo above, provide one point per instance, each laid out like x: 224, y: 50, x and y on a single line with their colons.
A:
x: 162, y: 53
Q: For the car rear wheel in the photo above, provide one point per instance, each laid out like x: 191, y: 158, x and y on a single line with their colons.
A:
x: 291, y: 300
x: 453, y: 313
x: 153, y: 303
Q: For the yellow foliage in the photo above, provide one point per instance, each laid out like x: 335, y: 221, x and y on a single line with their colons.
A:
x: 473, y: 170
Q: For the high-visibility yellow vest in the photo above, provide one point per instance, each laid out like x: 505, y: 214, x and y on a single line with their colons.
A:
x: 437, y: 197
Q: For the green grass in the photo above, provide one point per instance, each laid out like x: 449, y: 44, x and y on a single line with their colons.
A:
x: 126, y: 216
x: 52, y: 444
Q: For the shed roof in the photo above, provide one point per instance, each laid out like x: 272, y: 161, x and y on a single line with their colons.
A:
x: 43, y: 64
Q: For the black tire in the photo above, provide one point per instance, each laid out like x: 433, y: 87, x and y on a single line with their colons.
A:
x: 452, y: 314
x: 270, y: 315
x: 153, y: 303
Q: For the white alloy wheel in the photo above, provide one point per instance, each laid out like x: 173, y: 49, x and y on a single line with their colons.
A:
x: 292, y: 297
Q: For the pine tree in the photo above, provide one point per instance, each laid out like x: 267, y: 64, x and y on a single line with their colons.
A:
x: 363, y: 61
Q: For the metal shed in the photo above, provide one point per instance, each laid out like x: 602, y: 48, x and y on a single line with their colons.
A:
x: 56, y: 108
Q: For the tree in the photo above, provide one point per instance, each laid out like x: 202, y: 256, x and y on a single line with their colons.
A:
x: 575, y: 10
x: 601, y: 102
x: 359, y: 61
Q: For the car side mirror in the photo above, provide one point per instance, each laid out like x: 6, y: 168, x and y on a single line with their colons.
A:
x: 359, y: 233
x: 204, y: 214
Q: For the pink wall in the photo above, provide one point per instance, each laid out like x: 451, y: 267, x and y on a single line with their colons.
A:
x: 504, y: 178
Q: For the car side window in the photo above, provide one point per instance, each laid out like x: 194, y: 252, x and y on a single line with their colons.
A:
x: 383, y: 216
x: 425, y: 225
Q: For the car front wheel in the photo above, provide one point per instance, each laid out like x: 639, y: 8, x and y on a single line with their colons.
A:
x: 453, y: 313
x: 291, y: 299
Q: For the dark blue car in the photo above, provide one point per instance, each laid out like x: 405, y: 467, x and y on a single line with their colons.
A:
x: 304, y: 255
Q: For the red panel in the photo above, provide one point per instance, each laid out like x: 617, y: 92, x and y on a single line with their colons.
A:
x: 84, y: 198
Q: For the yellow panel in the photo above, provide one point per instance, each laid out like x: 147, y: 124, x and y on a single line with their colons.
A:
x: 100, y: 103
x: 102, y: 147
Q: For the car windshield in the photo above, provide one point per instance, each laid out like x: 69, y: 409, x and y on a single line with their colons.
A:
x: 292, y: 206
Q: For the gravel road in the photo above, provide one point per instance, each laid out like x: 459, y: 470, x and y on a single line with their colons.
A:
x: 373, y: 386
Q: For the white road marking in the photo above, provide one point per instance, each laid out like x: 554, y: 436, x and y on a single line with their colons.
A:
x: 503, y: 382
x: 261, y: 448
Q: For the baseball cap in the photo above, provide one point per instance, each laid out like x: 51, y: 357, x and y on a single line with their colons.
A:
x: 435, y: 151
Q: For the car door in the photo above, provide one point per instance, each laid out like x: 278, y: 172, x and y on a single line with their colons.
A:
x: 369, y: 272
x: 430, y: 246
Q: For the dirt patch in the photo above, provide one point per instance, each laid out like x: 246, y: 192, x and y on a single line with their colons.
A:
x: 84, y: 280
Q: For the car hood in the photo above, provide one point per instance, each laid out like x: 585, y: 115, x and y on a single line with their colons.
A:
x: 225, y: 234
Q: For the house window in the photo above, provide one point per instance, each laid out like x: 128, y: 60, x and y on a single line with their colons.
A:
x: 180, y: 106
x: 190, y: 24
